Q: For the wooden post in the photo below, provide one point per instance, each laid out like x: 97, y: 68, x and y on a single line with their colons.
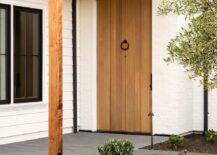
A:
x: 55, y: 77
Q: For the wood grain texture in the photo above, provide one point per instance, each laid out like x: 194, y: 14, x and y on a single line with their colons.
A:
x: 55, y: 77
x: 103, y: 64
x: 146, y: 56
x: 117, y: 71
x: 124, y: 95
x: 132, y: 32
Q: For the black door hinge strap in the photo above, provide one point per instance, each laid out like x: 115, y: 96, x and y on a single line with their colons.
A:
x: 151, y: 82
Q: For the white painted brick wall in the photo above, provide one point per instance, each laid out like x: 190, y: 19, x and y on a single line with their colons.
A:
x: 177, y: 101
x: 87, y: 67
x: 213, y: 110
x: 172, y: 90
x: 197, y: 107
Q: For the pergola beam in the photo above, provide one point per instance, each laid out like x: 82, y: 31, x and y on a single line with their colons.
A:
x: 55, y: 78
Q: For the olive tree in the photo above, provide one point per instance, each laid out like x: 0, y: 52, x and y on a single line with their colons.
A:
x: 195, y: 47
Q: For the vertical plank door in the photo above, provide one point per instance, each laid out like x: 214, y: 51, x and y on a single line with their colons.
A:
x: 124, y: 95
x: 137, y: 30
x: 103, y: 63
x: 117, y: 70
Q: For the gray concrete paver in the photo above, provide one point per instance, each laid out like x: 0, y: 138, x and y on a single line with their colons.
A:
x: 83, y: 143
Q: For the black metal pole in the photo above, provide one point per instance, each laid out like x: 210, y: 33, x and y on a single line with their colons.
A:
x: 74, y: 50
x: 152, y: 136
x: 151, y: 114
x: 205, y: 99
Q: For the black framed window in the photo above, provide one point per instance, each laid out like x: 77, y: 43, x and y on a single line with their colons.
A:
x: 27, y: 55
x: 4, y: 54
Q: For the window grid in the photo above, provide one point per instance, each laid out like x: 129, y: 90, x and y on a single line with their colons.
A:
x: 34, y: 59
x: 27, y: 56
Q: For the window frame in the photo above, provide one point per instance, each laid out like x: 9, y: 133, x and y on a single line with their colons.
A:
x: 8, y: 56
x: 40, y: 76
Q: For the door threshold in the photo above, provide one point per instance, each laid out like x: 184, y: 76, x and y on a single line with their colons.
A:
x: 123, y: 132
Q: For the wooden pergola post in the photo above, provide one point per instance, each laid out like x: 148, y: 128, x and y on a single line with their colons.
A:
x: 55, y: 78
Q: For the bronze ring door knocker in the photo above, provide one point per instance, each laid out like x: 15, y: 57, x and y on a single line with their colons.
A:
x: 125, y: 45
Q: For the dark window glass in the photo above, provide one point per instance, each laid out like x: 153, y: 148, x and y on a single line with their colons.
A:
x: 4, y: 54
x: 28, y: 54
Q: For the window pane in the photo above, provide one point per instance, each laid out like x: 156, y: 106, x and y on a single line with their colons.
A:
x: 32, y: 76
x: 28, y: 24
x: 3, y: 75
x: 28, y: 31
x: 33, y: 32
x: 20, y: 76
x: 20, y: 33
x: 4, y: 53
x: 3, y: 31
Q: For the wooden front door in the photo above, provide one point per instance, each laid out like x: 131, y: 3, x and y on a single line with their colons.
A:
x: 124, y: 65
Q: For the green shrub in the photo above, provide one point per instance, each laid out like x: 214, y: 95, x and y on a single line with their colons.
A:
x: 210, y: 136
x: 116, y: 147
x: 176, y: 141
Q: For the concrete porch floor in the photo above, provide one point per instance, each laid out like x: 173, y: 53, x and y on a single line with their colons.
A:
x: 82, y: 143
